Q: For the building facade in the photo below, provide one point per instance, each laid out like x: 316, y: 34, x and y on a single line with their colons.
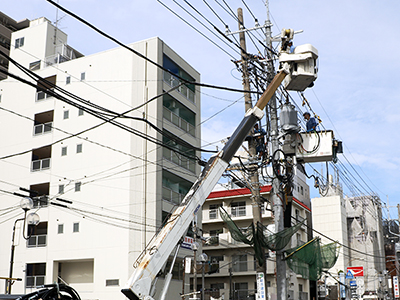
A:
x: 7, y: 27
x: 120, y: 183
x: 232, y: 264
x: 356, y: 223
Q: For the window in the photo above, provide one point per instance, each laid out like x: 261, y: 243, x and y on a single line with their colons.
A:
x: 298, y: 239
x: 41, y: 158
x: 83, y: 76
x: 37, y: 235
x: 238, y: 209
x: 66, y: 114
x: 79, y: 148
x: 215, y: 265
x: 80, y: 112
x: 239, y: 263
x: 35, y: 274
x: 68, y: 80
x: 187, y: 90
x: 213, y: 211
x: 40, y: 194
x: 34, y: 65
x: 112, y: 282
x: 217, y: 286
x: 19, y: 42
x: 47, y: 84
x: 43, y: 123
x: 240, y: 290
x: 78, y: 186
x: 63, y: 151
x: 61, y: 189
x: 60, y: 229
x: 75, y: 227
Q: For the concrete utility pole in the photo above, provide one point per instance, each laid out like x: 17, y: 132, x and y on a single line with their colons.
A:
x: 254, y: 180
x: 281, y: 289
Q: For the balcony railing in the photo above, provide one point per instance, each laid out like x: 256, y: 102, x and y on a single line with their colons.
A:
x: 179, y: 160
x: 172, y: 196
x: 178, y: 121
x: 37, y: 241
x: 40, y: 164
x: 33, y: 281
x: 172, y: 81
x: 43, y: 128
x: 42, y: 96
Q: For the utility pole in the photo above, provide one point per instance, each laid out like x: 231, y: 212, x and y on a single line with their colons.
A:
x: 281, y: 289
x: 254, y: 179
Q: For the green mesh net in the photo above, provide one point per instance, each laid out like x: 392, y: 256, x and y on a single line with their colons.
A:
x: 310, y: 259
x: 259, y: 238
x: 276, y: 241
x: 329, y: 255
x: 240, y: 235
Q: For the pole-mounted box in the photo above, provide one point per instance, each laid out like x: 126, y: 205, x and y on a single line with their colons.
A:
x: 315, y: 146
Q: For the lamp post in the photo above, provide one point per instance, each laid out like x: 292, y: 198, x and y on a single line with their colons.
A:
x: 33, y: 219
x: 203, y: 258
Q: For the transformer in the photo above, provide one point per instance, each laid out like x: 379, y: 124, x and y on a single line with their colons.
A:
x: 288, y: 118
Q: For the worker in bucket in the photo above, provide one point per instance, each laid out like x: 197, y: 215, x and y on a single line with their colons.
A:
x: 311, y: 124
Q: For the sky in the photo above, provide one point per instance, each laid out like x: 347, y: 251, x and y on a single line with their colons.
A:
x: 356, y: 93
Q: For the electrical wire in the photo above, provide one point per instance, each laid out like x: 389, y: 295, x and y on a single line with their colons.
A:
x: 138, y: 53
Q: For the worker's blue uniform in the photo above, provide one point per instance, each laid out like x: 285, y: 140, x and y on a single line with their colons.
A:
x: 260, y: 140
x: 311, y: 125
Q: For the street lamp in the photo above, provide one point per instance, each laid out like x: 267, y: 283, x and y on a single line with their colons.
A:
x: 32, y: 219
x: 203, y: 258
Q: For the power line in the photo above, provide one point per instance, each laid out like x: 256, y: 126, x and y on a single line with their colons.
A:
x: 139, y: 54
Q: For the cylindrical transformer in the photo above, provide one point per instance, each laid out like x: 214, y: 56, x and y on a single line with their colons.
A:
x: 288, y: 118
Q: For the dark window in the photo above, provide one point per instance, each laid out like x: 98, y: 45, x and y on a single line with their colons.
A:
x: 38, y: 235
x: 19, y: 42
x: 112, y: 282
x: 35, y: 274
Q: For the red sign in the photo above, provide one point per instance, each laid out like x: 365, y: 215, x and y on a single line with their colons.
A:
x: 356, y: 271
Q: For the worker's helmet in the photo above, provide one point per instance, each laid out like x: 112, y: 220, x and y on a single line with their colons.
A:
x: 306, y: 113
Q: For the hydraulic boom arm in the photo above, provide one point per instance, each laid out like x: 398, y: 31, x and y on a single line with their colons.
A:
x: 298, y: 71
x: 159, y: 250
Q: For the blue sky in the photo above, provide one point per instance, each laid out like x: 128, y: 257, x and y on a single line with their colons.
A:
x: 356, y: 93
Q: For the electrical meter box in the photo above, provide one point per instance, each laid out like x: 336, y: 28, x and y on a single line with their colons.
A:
x: 315, y: 146
x: 303, y: 67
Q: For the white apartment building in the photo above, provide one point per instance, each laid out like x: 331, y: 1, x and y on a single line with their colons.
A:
x: 235, y: 261
x: 121, y: 185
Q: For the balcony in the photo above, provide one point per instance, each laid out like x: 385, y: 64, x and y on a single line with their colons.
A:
x: 178, y: 121
x: 173, y: 81
x: 179, y: 159
x: 171, y: 196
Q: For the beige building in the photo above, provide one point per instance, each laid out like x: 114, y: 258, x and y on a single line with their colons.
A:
x: 233, y: 262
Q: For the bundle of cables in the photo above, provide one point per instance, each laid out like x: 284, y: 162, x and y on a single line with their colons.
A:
x: 53, y: 292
